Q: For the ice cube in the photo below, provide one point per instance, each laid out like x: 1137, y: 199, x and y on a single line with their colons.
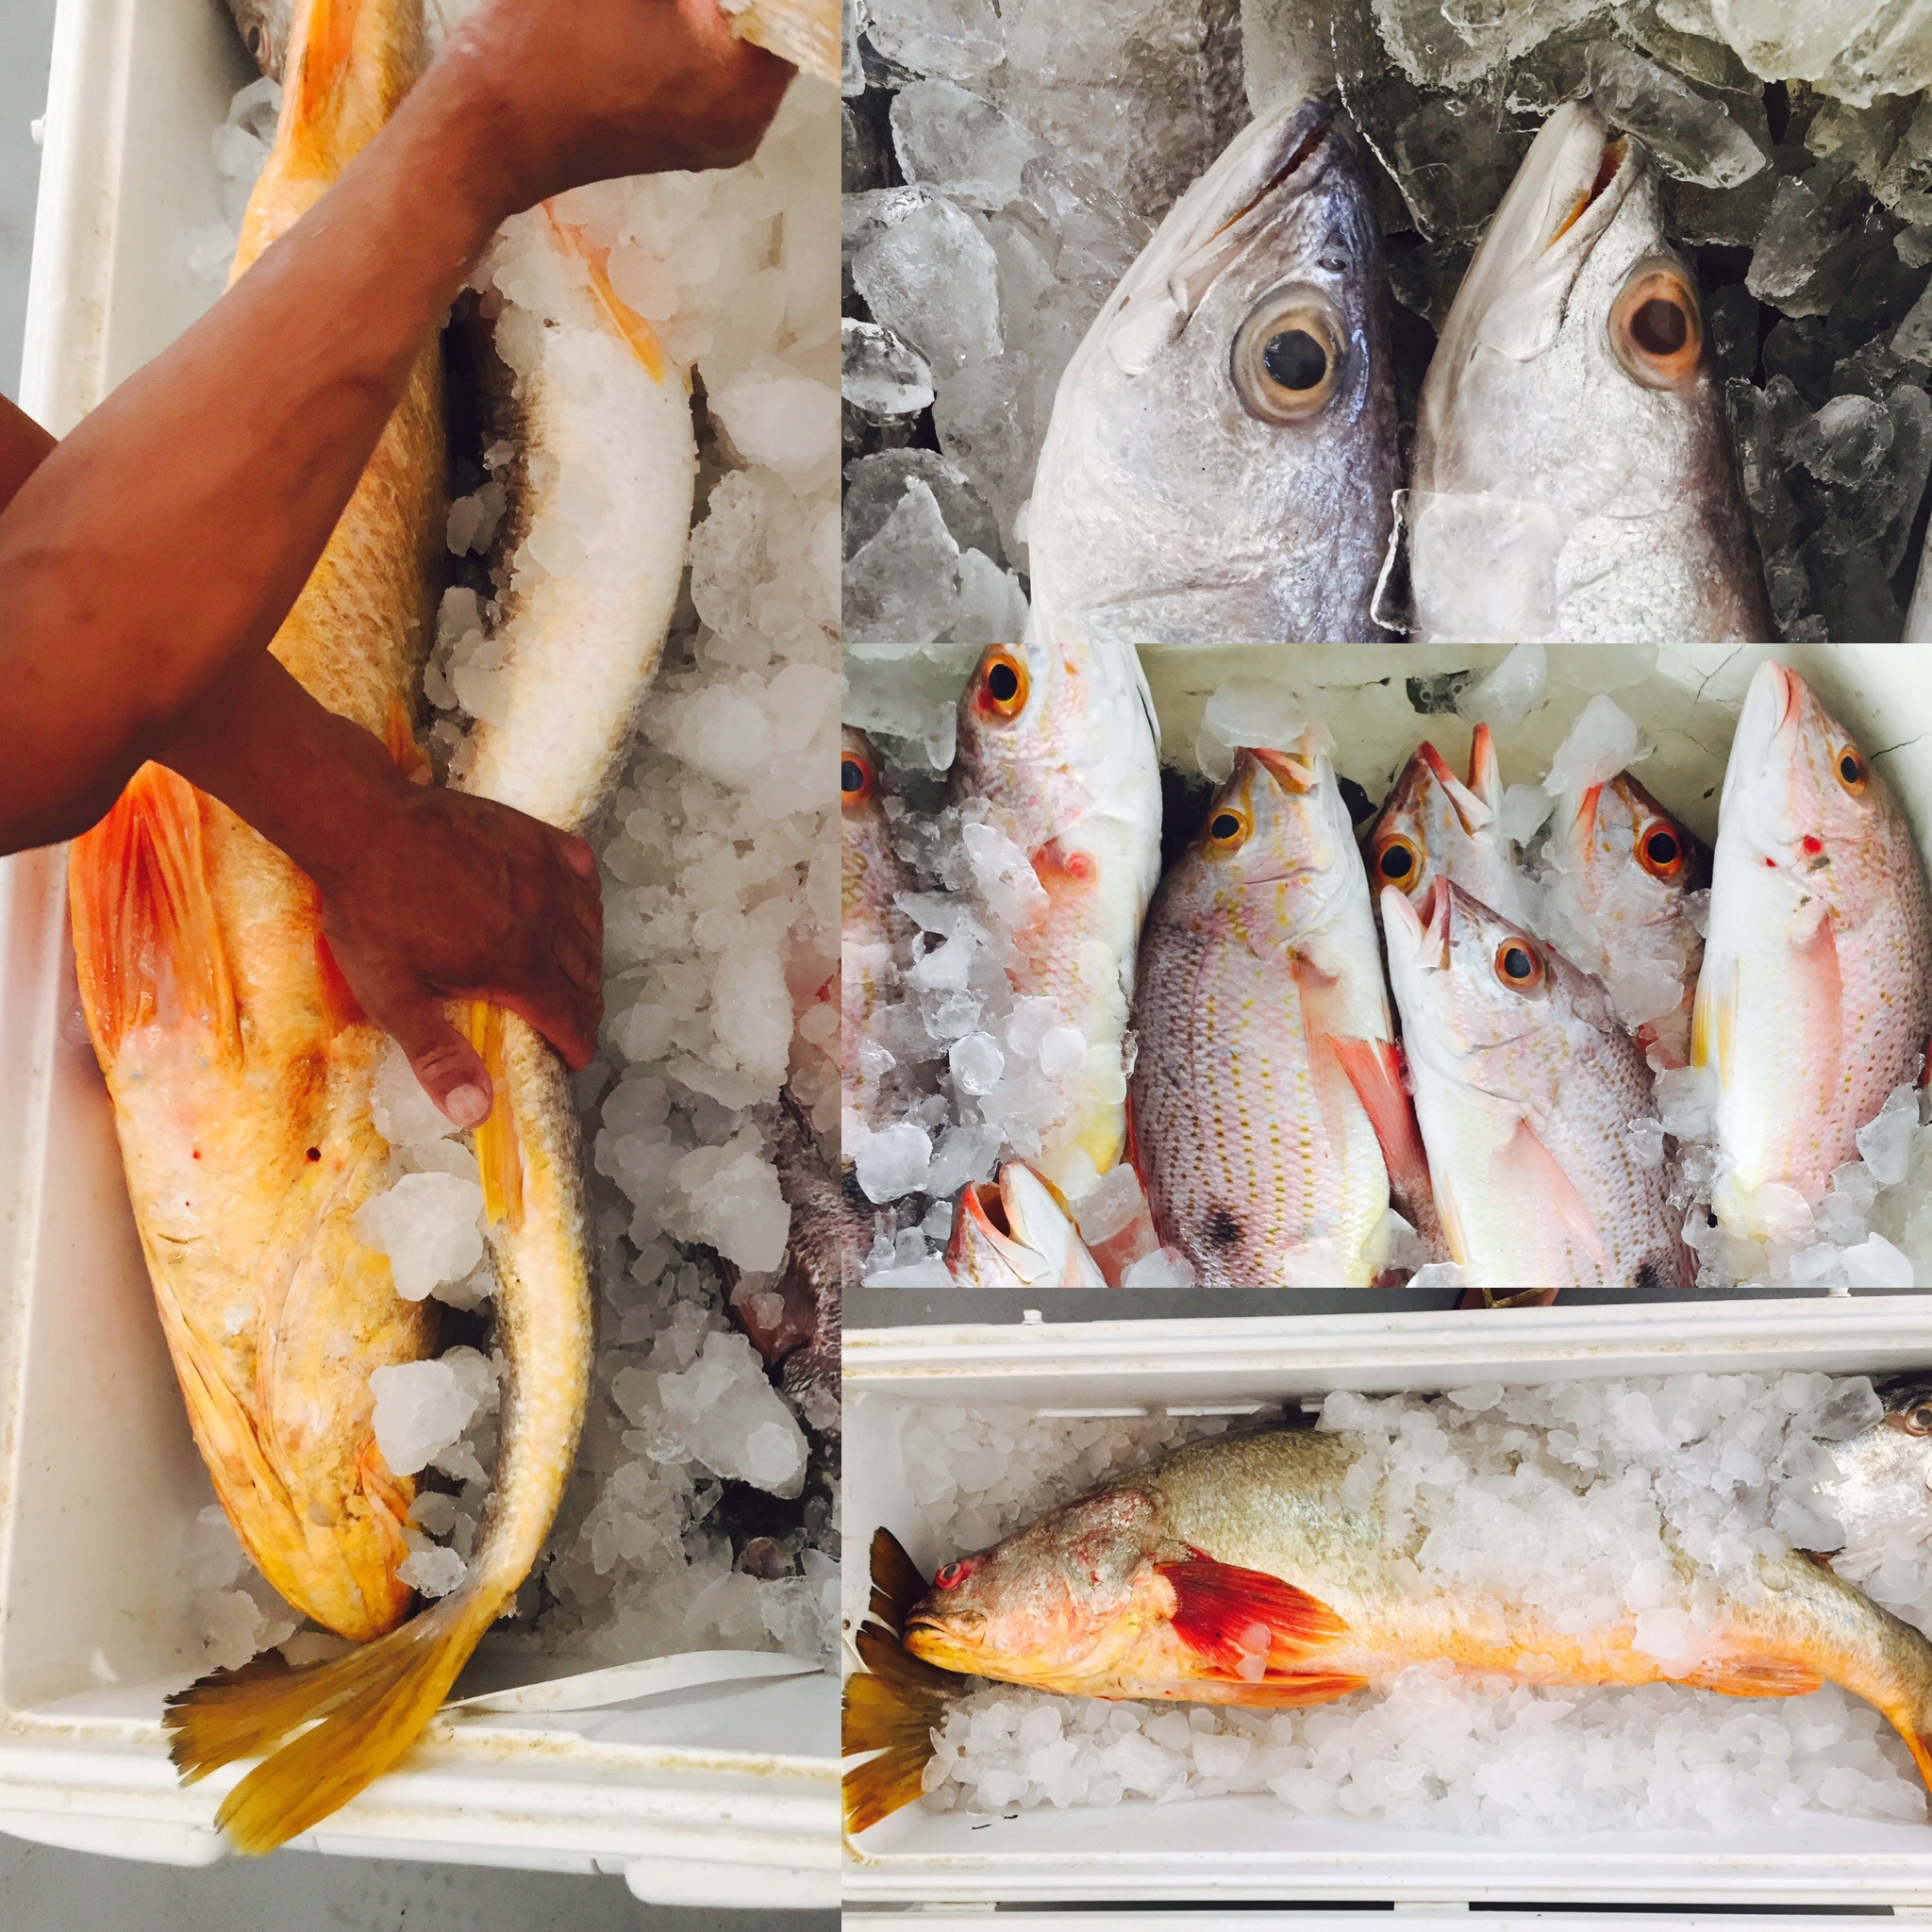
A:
x: 1875, y: 1263
x: 1111, y: 1206
x: 1438, y: 1274
x: 1507, y: 695
x: 956, y: 38
x: 1255, y: 711
x: 875, y: 484
x: 1005, y: 876
x: 894, y: 1161
x: 932, y: 279
x: 976, y: 1062
x: 428, y: 1225
x: 423, y: 1407
x: 1601, y: 743
x: 1845, y: 441
x: 1164, y: 1268
x: 1686, y: 1101
x: 1525, y: 810
x: 960, y: 144
x: 432, y: 1572
x: 1062, y: 1050
x: 880, y: 375
x: 1691, y: 136
x: 902, y: 588
x: 1886, y: 1140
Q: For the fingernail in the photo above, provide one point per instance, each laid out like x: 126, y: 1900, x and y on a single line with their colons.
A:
x: 468, y: 1106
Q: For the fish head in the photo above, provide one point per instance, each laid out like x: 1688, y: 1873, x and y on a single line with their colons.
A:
x: 1880, y: 1487
x: 1055, y: 1603
x: 1625, y: 855
x: 1485, y: 1004
x: 265, y: 27
x: 1801, y: 796
x: 1018, y: 1233
x: 1227, y: 425
x: 1431, y: 819
x: 1054, y: 731
x: 1277, y: 838
x: 1571, y: 372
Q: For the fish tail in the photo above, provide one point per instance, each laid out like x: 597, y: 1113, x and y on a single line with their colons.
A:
x: 147, y: 939
x: 498, y: 1156
x: 362, y: 1710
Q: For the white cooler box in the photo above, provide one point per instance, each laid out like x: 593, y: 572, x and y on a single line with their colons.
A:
x: 1222, y: 1851
x: 721, y: 1795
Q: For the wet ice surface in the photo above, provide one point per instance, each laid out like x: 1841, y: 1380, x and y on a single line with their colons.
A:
x: 1571, y: 1497
x: 702, y: 1513
x: 982, y: 1063
x: 1003, y: 166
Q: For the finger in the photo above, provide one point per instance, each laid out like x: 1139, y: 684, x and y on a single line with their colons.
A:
x: 579, y: 855
x: 569, y: 1023
x: 451, y: 1069
x: 579, y: 962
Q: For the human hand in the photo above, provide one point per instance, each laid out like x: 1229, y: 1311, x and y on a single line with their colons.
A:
x: 554, y: 93
x: 448, y: 897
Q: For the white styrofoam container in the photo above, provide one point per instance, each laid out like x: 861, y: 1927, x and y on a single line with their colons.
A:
x: 721, y: 1795
x: 1253, y: 1847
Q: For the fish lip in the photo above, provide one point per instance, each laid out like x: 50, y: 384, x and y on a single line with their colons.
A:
x: 1769, y: 714
x: 1293, y: 773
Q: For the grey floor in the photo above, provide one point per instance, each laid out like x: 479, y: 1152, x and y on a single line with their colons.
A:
x: 45, y: 1890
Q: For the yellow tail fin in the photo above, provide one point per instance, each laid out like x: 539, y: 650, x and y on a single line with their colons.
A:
x: 497, y: 1153
x: 372, y: 1705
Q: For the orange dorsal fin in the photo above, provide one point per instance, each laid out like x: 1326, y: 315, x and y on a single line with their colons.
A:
x: 147, y: 940
x: 498, y: 1156
x: 328, y: 47
x: 629, y: 324
x: 1223, y: 1613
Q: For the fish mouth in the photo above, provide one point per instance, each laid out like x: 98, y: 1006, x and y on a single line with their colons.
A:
x: 1293, y: 772
x: 1772, y: 703
x: 1572, y: 181
x: 1470, y: 809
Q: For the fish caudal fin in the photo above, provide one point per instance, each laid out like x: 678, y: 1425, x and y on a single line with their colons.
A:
x: 147, y: 939
x: 893, y: 1705
x: 498, y: 1156
x: 366, y: 1710
x: 805, y: 32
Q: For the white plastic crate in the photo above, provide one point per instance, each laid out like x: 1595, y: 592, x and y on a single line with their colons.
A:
x: 722, y: 1794
x: 1252, y: 1847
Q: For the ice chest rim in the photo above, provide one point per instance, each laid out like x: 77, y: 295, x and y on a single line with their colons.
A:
x: 739, y: 1823
x: 1252, y: 1849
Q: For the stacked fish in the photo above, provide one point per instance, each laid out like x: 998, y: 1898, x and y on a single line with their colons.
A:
x: 1499, y: 1125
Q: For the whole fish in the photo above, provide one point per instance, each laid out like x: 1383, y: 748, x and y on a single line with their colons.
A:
x: 1435, y: 826
x: 1619, y: 875
x: 1528, y: 1092
x: 1057, y: 749
x: 1251, y: 1569
x: 1220, y: 461
x: 579, y: 633
x: 1815, y: 1000
x: 1266, y: 1084
x: 1573, y: 478
x: 1018, y: 1233
x: 240, y: 1065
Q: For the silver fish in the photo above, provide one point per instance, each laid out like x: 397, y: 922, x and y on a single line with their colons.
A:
x: 1222, y: 455
x: 1573, y: 478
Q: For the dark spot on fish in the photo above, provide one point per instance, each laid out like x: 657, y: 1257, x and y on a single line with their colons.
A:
x: 1296, y: 359
x: 1650, y: 1275
x: 197, y: 1154
x: 1430, y: 696
x: 1223, y: 1229
x: 314, y: 1154
x: 1360, y: 805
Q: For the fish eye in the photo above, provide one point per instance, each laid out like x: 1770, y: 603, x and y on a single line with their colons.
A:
x: 1227, y: 829
x: 1519, y: 965
x: 1851, y: 768
x: 1003, y: 684
x: 1659, y: 850
x: 854, y: 779
x: 1398, y: 861
x: 1289, y: 353
x: 1657, y: 324
x: 951, y: 1575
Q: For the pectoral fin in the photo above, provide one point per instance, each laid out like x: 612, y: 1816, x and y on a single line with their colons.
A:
x: 1528, y: 1170
x: 1224, y: 1613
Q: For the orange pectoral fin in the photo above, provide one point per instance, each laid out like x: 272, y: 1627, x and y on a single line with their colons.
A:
x: 499, y: 1158
x: 1375, y: 1072
x: 1226, y: 1613
x: 147, y: 941
x: 1757, y: 1676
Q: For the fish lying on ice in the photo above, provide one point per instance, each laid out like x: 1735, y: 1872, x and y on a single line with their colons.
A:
x: 1057, y: 752
x: 1220, y: 461
x: 1266, y: 1085
x: 1018, y: 1233
x: 574, y: 649
x: 1251, y: 1569
x: 1573, y: 478
x: 1529, y: 1094
x: 1815, y: 1000
x: 1619, y: 873
x: 1435, y: 826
